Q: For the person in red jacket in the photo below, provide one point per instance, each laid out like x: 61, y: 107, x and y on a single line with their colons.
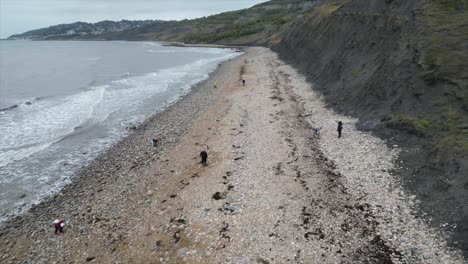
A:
x: 59, y: 224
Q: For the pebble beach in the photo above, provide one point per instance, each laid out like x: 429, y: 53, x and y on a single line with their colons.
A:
x: 274, y: 191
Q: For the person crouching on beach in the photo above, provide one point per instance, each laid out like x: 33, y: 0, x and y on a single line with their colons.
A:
x: 59, y: 224
x: 204, y: 157
x: 316, y: 131
x: 154, y: 142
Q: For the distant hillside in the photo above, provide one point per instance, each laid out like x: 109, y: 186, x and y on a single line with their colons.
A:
x: 256, y: 25
x: 81, y: 29
x: 252, y: 26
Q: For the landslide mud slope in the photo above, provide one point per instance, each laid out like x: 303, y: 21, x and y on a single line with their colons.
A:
x: 400, y: 67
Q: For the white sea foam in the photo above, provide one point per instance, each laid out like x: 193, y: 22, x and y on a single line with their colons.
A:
x: 154, y: 44
x: 33, y: 128
x: 93, y: 58
x: 10, y: 155
x: 162, y: 51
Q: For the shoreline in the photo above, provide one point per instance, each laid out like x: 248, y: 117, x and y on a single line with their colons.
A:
x: 24, y: 208
x: 132, y: 132
x: 185, y: 45
x: 272, y: 191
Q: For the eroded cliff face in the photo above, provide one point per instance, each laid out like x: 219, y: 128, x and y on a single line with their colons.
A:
x: 358, y: 54
x: 400, y: 66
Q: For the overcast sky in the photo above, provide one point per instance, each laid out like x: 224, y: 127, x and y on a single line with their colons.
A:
x: 18, y: 16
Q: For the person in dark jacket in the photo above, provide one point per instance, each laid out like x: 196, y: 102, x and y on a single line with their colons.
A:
x: 340, y: 128
x: 204, y: 157
x: 155, y: 142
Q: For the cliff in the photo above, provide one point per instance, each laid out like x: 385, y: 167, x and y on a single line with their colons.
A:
x: 401, y: 67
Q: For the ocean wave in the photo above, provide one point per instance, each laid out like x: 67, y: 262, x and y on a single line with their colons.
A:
x: 153, y: 44
x: 162, y: 51
x: 93, y: 58
x: 8, y: 156
x: 33, y: 129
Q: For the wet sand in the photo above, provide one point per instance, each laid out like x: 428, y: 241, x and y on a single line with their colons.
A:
x: 273, y: 192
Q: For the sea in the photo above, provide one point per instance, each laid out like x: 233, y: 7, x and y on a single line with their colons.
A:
x: 64, y: 102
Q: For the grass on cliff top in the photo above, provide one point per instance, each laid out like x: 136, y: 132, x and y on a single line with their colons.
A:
x: 232, y: 27
x: 446, y: 40
x: 445, y: 57
x: 326, y: 9
x: 254, y: 25
x: 280, y: 2
x: 446, y: 133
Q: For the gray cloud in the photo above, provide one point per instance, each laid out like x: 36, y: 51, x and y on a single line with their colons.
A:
x: 17, y: 16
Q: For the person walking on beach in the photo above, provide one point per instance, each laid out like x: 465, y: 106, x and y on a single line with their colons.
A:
x: 340, y: 128
x: 204, y: 157
x: 243, y: 82
x: 59, y: 224
x: 215, y: 84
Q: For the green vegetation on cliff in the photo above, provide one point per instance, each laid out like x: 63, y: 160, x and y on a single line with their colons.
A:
x: 445, y: 59
x: 446, y: 34
x: 250, y: 26
x: 255, y: 25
